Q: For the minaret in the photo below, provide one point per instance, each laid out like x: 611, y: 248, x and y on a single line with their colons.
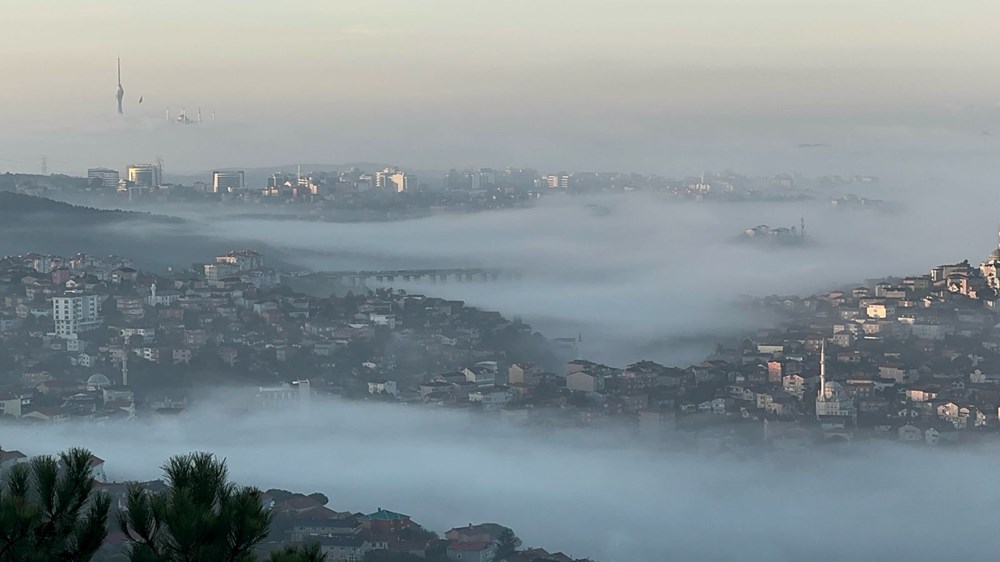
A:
x: 125, y: 362
x: 822, y: 370
x: 121, y: 91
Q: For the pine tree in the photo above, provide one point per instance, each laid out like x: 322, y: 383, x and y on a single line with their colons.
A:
x: 308, y: 553
x: 200, y: 516
x: 50, y: 512
x: 507, y: 543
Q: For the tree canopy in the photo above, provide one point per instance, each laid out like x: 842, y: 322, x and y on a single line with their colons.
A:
x: 49, y: 510
x: 200, y: 516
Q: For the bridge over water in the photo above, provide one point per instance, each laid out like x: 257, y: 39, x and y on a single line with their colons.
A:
x: 403, y: 276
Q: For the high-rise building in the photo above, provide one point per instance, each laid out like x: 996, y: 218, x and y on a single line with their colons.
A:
x: 228, y: 182
x: 144, y: 175
x: 243, y: 260
x: 560, y: 181
x: 401, y: 181
x: 279, y: 181
x: 108, y: 177
x: 75, y: 313
x: 392, y: 178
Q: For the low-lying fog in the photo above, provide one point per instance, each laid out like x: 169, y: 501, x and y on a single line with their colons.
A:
x: 653, y: 278
x: 580, y: 492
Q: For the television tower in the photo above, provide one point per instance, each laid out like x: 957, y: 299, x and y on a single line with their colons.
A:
x: 121, y: 91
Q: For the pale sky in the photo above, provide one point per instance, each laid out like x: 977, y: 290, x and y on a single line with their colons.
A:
x: 441, y: 83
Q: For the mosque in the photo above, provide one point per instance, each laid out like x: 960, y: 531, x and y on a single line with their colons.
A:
x: 832, y: 401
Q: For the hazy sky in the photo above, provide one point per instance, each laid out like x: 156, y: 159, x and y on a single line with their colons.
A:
x: 574, y: 83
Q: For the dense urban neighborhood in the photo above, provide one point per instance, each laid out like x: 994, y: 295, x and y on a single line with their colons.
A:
x: 90, y: 339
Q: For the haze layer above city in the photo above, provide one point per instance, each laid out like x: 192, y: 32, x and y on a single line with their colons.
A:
x: 655, y: 86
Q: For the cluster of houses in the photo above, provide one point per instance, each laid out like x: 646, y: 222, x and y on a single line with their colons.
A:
x: 890, y: 358
x: 913, y: 359
x: 916, y: 360
x: 86, y: 337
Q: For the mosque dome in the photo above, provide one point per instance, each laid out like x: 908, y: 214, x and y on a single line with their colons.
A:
x: 98, y: 381
x: 834, y: 391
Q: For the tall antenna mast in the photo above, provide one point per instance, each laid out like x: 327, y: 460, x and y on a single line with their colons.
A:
x: 121, y: 91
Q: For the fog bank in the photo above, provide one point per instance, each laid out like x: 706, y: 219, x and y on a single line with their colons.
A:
x: 582, y: 492
x: 653, y: 274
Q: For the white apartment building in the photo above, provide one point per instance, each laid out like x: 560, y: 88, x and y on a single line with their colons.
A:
x: 241, y: 260
x: 74, y: 313
x: 291, y: 396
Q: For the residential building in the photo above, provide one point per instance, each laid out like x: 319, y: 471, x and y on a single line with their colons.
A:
x: 292, y: 395
x: 383, y: 387
x: 385, y: 522
x: 75, y: 313
x: 481, y: 551
x: 584, y: 381
x: 344, y: 548
x: 392, y: 179
x: 14, y: 404
x: 8, y: 459
x: 243, y: 260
